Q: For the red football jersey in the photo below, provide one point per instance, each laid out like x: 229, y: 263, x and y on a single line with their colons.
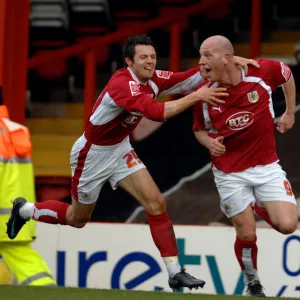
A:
x: 245, y: 119
x: 124, y: 101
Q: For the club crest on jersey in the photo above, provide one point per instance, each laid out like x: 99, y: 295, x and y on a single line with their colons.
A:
x: 253, y: 96
x: 163, y: 74
x: 134, y: 88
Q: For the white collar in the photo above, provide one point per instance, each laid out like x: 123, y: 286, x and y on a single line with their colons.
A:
x: 243, y: 73
x: 135, y: 78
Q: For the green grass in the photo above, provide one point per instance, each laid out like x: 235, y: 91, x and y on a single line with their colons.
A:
x: 46, y: 293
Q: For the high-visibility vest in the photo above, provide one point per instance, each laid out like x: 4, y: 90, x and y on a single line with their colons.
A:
x: 16, y: 173
x: 6, y: 276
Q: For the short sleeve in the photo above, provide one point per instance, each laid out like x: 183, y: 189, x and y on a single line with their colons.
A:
x: 277, y: 72
x: 198, y: 117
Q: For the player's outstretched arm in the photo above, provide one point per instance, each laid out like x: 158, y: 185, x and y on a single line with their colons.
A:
x: 205, y: 94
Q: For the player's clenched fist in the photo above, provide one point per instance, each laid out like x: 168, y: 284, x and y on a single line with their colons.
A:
x: 212, y: 95
x: 216, y: 147
x: 286, y: 122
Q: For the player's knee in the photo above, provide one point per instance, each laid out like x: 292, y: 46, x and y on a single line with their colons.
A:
x: 287, y: 226
x: 157, y: 205
x: 247, y: 236
x: 79, y: 222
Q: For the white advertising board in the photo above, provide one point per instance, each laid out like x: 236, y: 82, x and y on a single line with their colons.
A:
x: 123, y: 256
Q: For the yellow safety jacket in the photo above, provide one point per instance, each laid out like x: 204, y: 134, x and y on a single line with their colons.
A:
x: 16, y: 173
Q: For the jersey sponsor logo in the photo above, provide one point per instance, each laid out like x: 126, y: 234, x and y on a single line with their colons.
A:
x: 253, y: 96
x: 163, y: 74
x: 130, y: 120
x: 286, y: 71
x: 240, y: 120
x: 134, y: 88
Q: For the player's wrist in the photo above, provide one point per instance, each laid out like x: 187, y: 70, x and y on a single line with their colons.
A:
x: 194, y: 96
x: 290, y: 111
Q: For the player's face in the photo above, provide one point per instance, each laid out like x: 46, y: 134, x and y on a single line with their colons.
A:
x: 211, y: 63
x: 144, y: 62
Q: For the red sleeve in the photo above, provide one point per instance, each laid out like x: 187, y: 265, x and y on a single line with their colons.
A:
x: 127, y: 94
x: 198, y: 118
x: 277, y: 72
x: 175, y: 83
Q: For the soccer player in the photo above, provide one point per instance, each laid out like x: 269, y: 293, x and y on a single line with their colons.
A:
x: 240, y: 138
x: 103, y: 153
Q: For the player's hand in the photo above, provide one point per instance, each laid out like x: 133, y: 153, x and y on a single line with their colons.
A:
x: 211, y: 95
x: 216, y: 147
x: 244, y: 62
x: 286, y: 122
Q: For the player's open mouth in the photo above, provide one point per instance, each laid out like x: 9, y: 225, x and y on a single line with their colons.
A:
x: 205, y: 70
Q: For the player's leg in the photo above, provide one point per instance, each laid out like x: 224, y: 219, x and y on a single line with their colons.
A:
x: 261, y: 211
x: 90, y: 171
x: 142, y: 187
x: 284, y: 215
x: 50, y: 211
x: 136, y: 180
x: 245, y: 245
x: 236, y: 203
x: 78, y: 214
x: 245, y: 249
x: 278, y: 201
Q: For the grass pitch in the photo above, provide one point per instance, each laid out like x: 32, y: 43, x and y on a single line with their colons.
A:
x: 47, y: 293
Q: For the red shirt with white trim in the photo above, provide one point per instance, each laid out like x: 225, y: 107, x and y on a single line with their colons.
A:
x: 124, y: 101
x: 246, y: 119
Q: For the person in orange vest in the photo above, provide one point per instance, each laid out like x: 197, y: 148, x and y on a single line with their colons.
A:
x: 17, y: 178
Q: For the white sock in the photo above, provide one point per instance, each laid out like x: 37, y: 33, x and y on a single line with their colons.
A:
x: 172, y: 264
x: 249, y: 278
x: 26, y: 211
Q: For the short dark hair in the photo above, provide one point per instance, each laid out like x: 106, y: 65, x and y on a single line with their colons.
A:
x: 129, y: 47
